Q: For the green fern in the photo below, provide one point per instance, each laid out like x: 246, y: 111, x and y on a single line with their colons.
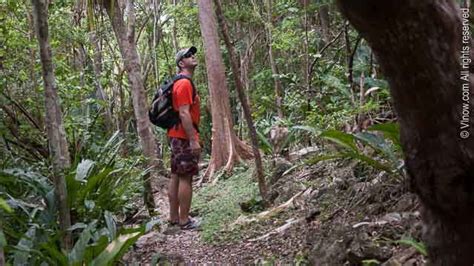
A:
x: 387, y: 155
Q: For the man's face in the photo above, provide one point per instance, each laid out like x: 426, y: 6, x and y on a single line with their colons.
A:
x: 189, y: 61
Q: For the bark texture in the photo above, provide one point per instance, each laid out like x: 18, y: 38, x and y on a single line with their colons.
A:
x: 325, y: 23
x: 419, y: 49
x: 125, y: 34
x: 271, y: 57
x: 226, y: 147
x: 100, y: 92
x: 243, y: 100
x: 54, y: 124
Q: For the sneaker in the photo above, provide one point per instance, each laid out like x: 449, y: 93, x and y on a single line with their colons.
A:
x: 190, y: 225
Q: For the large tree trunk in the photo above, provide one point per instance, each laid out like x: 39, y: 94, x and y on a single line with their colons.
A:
x: 422, y: 53
x: 54, y: 123
x: 245, y: 104
x: 125, y: 35
x: 226, y: 147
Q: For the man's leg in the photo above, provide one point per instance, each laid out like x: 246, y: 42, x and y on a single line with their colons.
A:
x: 185, y: 194
x: 173, y: 198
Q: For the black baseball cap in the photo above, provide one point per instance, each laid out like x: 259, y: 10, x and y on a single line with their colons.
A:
x: 183, y: 52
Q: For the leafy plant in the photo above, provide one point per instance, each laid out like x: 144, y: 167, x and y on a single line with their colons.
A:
x: 385, y: 150
x: 104, y: 182
x: 419, y: 246
x: 93, y: 246
x: 96, y: 190
x: 370, y: 262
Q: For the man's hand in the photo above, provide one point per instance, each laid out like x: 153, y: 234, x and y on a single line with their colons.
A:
x: 195, y: 147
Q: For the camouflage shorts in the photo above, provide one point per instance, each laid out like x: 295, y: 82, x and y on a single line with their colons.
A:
x: 183, y: 162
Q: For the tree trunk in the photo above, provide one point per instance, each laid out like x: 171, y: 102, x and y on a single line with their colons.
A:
x: 226, y: 147
x: 246, y: 60
x: 306, y: 64
x: 100, y: 93
x: 38, y: 113
x: 54, y: 124
x: 157, y: 33
x: 325, y: 23
x: 125, y: 35
x: 123, y: 114
x: 276, y: 79
x: 350, y: 54
x: 421, y: 50
x: 243, y: 100
x: 174, y: 36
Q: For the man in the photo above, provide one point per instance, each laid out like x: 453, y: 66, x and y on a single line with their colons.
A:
x: 184, y: 141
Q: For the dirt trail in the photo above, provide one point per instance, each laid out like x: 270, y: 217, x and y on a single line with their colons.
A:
x: 172, y: 245
x: 177, y: 246
x: 324, y: 214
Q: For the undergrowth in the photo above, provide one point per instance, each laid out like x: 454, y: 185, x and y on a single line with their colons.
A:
x: 218, y: 204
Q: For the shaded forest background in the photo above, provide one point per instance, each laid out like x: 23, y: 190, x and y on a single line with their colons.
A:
x: 310, y: 79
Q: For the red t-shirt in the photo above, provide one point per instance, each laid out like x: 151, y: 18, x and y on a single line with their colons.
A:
x: 183, y: 95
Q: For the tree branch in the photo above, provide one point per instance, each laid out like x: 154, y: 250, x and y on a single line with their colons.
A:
x: 23, y: 110
x: 311, y: 69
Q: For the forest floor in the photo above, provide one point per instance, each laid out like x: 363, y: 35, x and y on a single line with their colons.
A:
x: 329, y: 213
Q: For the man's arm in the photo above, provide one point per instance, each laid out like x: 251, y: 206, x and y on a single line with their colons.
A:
x: 187, y: 123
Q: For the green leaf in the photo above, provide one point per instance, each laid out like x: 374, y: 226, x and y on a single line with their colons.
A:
x: 149, y: 225
x: 52, y: 251
x: 77, y: 226
x: 390, y: 130
x: 89, y: 204
x: 77, y: 253
x: 83, y: 170
x: 4, y: 205
x: 107, y: 256
x: 289, y: 170
x: 111, y: 147
x: 96, y: 248
x: 24, y: 247
x: 370, y: 262
x: 313, y: 130
x: 343, y: 139
x: 267, y: 146
x: 3, y: 240
x: 378, y: 144
x: 111, y: 226
x: 419, y: 246
x: 369, y: 161
x: 93, y: 183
